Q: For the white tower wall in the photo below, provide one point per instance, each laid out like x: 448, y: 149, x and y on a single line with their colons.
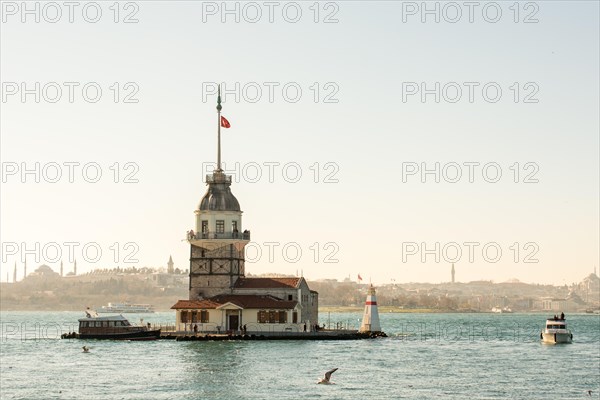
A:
x: 370, y: 322
x: 213, y: 216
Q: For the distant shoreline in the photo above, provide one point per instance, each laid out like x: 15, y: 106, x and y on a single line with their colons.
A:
x: 382, y: 309
x: 398, y: 310
x: 333, y: 309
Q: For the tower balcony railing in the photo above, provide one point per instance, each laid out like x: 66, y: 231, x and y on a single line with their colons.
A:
x: 218, y: 178
x: 214, y: 235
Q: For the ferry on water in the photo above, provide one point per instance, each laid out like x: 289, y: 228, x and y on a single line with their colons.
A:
x: 556, y: 331
x: 505, y: 310
x: 126, y: 308
x: 115, y: 327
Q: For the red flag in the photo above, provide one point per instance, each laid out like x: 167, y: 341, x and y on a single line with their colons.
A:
x: 225, y: 123
x: 359, y: 277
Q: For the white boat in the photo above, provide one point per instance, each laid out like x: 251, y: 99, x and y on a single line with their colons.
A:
x: 504, y: 310
x: 115, y: 327
x: 556, y: 331
x: 126, y: 308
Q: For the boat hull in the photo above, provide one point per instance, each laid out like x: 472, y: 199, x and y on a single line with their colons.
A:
x: 141, y: 335
x: 556, y: 338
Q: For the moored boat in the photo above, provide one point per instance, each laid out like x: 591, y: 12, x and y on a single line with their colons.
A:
x: 115, y: 327
x: 556, y: 331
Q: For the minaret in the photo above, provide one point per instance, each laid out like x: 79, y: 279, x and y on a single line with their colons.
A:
x: 217, y: 245
x: 61, y: 268
x: 15, y: 273
x: 452, y: 272
x: 370, y: 322
x: 75, y: 267
x: 170, y: 269
x: 25, y: 269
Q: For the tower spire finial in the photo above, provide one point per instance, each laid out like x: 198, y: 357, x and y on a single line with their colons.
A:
x: 219, y: 130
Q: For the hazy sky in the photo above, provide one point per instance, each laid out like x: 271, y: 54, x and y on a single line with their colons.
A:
x: 367, y: 114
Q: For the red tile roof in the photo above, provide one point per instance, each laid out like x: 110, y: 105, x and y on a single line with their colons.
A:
x: 267, y: 283
x: 194, y: 304
x: 242, y: 300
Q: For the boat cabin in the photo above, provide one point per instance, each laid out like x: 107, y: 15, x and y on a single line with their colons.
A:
x: 555, y: 324
x: 105, y: 324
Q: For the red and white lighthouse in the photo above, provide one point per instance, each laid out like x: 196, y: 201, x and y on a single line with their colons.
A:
x: 370, y: 322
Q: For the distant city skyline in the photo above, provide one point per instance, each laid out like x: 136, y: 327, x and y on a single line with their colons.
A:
x: 372, y: 149
x: 170, y: 266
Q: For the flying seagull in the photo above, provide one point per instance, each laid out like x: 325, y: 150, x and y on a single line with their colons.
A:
x: 86, y: 349
x: 326, y: 381
x: 589, y: 392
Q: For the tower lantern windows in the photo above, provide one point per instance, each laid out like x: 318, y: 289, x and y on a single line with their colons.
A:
x: 220, y: 228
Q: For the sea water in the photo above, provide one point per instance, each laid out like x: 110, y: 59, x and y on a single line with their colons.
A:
x: 427, y: 356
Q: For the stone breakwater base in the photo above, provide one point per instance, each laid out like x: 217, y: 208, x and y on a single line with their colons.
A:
x: 278, y: 336
x: 336, y: 335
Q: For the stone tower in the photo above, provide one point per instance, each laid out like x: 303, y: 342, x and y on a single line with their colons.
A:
x: 170, y: 266
x: 217, y: 245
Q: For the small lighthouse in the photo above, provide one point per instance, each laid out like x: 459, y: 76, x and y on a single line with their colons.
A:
x: 370, y: 322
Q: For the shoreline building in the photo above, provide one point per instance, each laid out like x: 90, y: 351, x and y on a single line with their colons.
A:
x: 43, y: 272
x: 221, y: 298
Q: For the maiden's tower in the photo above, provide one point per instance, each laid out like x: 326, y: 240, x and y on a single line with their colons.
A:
x: 221, y: 298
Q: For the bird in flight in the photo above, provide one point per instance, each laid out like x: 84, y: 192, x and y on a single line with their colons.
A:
x: 326, y: 380
x: 589, y: 392
x: 86, y: 349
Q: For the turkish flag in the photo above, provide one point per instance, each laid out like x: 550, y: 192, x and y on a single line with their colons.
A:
x: 225, y: 123
x: 359, y: 277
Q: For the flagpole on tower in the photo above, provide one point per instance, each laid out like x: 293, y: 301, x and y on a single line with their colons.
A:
x: 219, y: 130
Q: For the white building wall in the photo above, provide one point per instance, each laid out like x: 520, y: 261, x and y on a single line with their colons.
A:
x: 214, y: 320
x: 249, y: 317
x: 213, y: 216
x: 279, y: 293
